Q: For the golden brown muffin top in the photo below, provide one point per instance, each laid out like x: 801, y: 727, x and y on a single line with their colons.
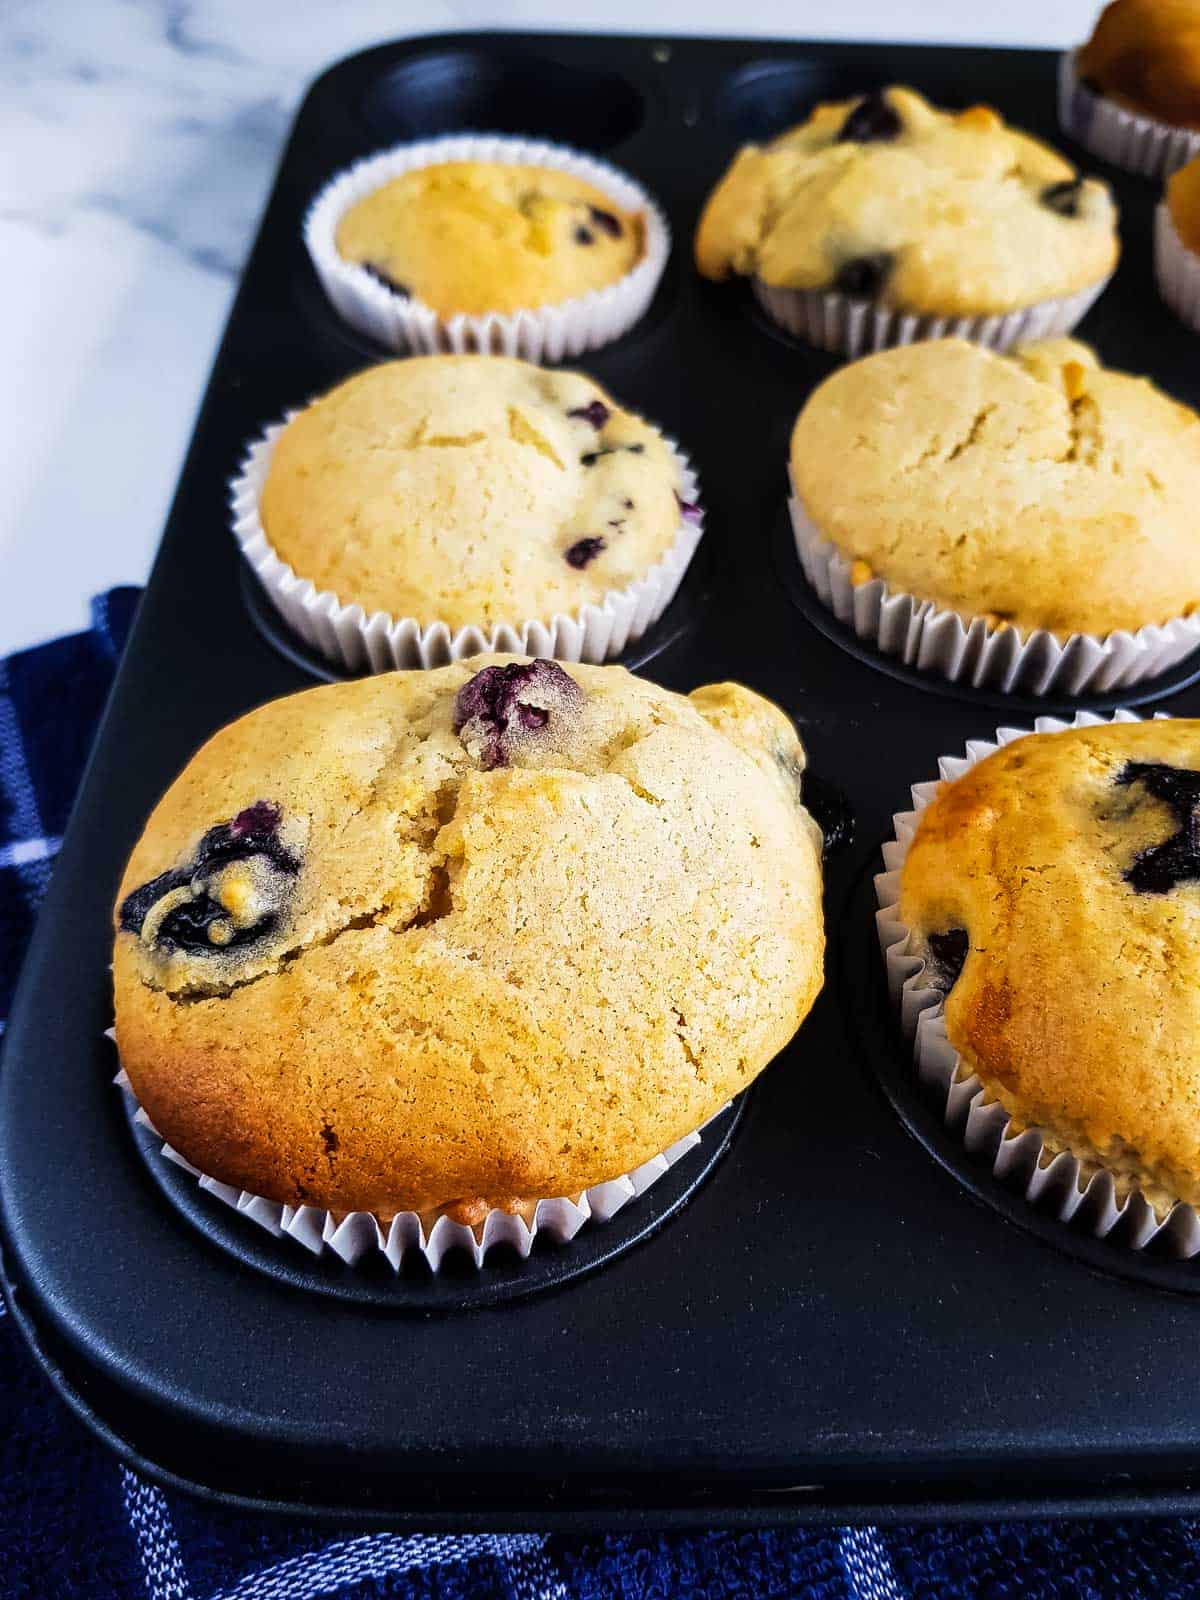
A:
x: 1145, y: 54
x: 478, y: 236
x: 1038, y: 488
x: 466, y: 937
x: 1055, y: 890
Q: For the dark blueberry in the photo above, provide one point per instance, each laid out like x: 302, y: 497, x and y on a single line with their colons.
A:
x: 254, y: 832
x: 584, y: 236
x: 595, y: 412
x: 605, y: 221
x: 381, y: 276
x: 1063, y: 197
x: 864, y: 276
x: 1177, y: 859
x: 584, y: 551
x: 689, y: 510
x: 636, y: 449
x: 871, y: 122
x: 947, y: 953
x: 498, y: 706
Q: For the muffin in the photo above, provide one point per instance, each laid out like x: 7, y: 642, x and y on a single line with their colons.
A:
x: 1132, y: 92
x: 1177, y: 243
x: 450, y: 941
x: 443, y: 505
x: 489, y: 244
x: 883, y: 219
x: 1053, y: 891
x: 1027, y: 518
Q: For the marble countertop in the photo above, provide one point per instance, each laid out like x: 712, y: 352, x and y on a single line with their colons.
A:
x: 139, y: 139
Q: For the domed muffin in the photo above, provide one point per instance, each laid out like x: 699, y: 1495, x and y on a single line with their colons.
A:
x: 474, y: 491
x: 1054, y: 889
x: 1177, y: 243
x: 1132, y: 92
x: 478, y: 236
x: 461, y: 938
x: 1038, y: 490
x: 889, y: 200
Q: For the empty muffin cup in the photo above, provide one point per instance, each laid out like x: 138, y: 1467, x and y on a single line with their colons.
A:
x: 982, y: 651
x: 1128, y: 139
x: 357, y: 641
x: 1094, y: 1199
x: 552, y: 332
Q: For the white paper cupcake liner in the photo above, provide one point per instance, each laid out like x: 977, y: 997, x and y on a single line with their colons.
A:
x: 357, y: 1236
x: 1177, y: 269
x: 377, y: 642
x: 1078, y: 1192
x: 1125, y: 138
x: 972, y: 650
x: 539, y: 333
x: 853, y: 327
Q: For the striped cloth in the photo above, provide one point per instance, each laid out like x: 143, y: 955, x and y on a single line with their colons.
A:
x: 75, y: 1523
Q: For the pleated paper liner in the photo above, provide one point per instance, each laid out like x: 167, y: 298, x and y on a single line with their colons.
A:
x: 356, y: 640
x: 358, y: 1236
x: 1077, y: 1191
x: 973, y: 650
x: 853, y: 327
x: 1127, y: 139
x: 538, y: 333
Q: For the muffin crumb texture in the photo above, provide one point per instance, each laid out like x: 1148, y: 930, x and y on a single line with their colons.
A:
x: 1039, y: 489
x: 470, y: 490
x: 468, y: 237
x: 1055, y: 891
x: 459, y: 939
x: 1145, y: 55
x: 889, y: 199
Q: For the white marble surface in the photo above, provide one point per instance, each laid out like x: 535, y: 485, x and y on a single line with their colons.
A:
x: 137, y: 143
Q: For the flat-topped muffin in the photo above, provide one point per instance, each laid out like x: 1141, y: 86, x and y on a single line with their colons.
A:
x: 466, y: 937
x: 1038, y: 489
x: 478, y: 236
x: 470, y: 490
x: 1145, y: 55
x: 889, y: 199
x: 1055, y: 890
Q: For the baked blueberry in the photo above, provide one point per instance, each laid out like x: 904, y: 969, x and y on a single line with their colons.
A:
x: 584, y: 235
x: 864, y: 276
x: 1177, y: 859
x: 872, y: 121
x: 231, y: 892
x: 605, y: 221
x: 595, y: 412
x: 497, y: 710
x: 584, y: 551
x: 381, y: 276
x: 1063, y: 197
x: 947, y: 955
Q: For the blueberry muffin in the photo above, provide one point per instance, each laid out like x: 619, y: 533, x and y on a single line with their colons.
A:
x: 890, y: 200
x: 1054, y: 890
x: 1038, y: 490
x: 477, y: 236
x: 1177, y: 243
x: 1145, y: 56
x: 462, y: 938
x: 471, y: 490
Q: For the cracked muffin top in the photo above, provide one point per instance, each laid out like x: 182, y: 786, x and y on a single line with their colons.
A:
x: 470, y: 490
x: 1037, y: 489
x: 889, y: 199
x: 479, y: 236
x: 1145, y: 55
x: 466, y: 937
x: 1055, y: 890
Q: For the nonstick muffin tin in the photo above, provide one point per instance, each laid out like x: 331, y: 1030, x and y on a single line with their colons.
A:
x: 827, y: 1312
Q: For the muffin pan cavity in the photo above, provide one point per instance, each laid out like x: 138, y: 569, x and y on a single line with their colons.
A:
x: 446, y: 91
x: 765, y: 98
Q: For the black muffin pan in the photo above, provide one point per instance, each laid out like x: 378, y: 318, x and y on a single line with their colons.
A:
x: 825, y: 1312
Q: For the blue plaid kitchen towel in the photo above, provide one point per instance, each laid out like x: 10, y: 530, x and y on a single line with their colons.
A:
x: 75, y: 1523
